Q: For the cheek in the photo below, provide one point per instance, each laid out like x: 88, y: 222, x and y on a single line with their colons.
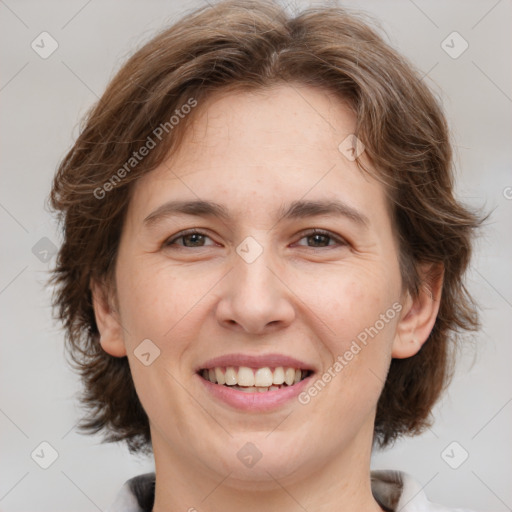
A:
x: 366, y: 333
x: 154, y: 300
x: 361, y: 316
x: 351, y: 301
x: 358, y: 352
x: 362, y: 324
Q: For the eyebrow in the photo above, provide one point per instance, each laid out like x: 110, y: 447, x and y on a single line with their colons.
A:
x: 295, y: 210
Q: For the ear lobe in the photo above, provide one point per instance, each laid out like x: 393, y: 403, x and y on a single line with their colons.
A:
x: 419, y: 313
x: 107, y: 320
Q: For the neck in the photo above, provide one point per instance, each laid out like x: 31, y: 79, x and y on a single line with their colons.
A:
x: 339, y: 483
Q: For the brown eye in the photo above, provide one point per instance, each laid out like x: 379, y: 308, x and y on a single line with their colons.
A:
x: 321, y: 238
x: 189, y: 239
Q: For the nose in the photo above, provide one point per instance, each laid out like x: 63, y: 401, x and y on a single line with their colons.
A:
x: 255, y: 297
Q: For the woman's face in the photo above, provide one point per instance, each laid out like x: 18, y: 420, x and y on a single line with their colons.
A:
x: 258, y: 283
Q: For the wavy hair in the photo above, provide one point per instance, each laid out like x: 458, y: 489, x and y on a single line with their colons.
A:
x: 247, y: 45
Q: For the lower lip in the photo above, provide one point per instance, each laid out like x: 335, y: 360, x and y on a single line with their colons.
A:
x: 258, y: 401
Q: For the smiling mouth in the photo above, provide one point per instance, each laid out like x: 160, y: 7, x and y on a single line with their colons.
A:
x: 254, y: 380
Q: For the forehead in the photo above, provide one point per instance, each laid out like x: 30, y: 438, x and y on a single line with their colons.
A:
x: 280, y: 116
x: 264, y: 144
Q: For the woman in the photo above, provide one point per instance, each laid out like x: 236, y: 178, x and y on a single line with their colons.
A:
x: 262, y: 271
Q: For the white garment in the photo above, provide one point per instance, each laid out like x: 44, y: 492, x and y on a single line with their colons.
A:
x: 396, y: 490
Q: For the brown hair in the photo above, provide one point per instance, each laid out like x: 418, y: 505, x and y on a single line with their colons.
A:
x: 250, y: 45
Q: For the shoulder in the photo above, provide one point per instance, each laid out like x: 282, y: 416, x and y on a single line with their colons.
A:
x: 136, y: 495
x: 399, y: 491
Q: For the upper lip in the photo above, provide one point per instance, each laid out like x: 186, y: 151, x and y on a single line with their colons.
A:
x: 256, y: 361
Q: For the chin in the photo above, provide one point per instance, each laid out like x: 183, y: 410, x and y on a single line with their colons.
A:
x: 257, y: 464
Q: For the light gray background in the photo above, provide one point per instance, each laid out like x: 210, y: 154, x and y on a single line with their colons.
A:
x: 42, y: 101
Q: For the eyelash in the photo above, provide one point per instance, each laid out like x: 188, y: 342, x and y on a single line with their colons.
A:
x: 170, y: 241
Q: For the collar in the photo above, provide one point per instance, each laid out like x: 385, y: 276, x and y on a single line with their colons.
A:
x: 395, y: 491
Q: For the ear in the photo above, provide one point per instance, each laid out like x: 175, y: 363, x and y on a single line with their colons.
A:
x: 419, y: 313
x: 107, y: 320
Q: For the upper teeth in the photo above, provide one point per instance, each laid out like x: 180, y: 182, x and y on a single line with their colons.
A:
x: 259, y: 377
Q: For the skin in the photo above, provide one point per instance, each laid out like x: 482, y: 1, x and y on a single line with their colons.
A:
x: 304, y: 296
